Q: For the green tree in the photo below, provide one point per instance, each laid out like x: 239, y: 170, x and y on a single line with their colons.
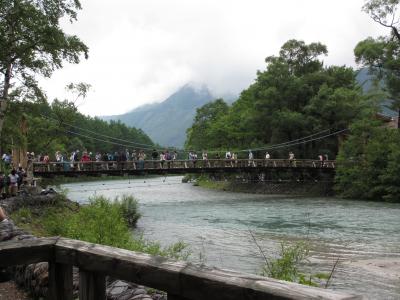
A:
x: 198, y: 134
x: 382, y: 54
x: 368, y: 163
x: 60, y: 127
x: 294, y: 97
x: 32, y: 43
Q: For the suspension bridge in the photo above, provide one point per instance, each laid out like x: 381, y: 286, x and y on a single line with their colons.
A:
x: 298, y: 169
x: 295, y: 169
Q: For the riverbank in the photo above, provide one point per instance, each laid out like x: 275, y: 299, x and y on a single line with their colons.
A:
x: 298, y: 188
x: 106, y: 222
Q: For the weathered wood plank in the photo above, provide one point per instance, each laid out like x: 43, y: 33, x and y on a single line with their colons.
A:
x: 183, y: 279
x: 173, y: 297
x: 137, y: 267
x: 60, y: 282
x: 26, y: 251
x: 92, y: 286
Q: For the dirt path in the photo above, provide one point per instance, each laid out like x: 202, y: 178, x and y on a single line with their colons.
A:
x: 8, y: 290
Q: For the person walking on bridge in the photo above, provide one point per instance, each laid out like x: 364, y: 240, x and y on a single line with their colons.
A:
x: 267, y: 158
x: 292, y: 161
x: 162, y: 160
x: 321, y: 160
x: 154, y: 157
x: 251, y: 159
x: 141, y: 158
x: 326, y: 158
x: 234, y: 159
x: 228, y: 157
x: 205, y: 159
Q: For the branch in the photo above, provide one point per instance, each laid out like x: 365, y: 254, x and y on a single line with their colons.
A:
x: 396, y: 33
x: 332, y: 271
x: 261, y: 251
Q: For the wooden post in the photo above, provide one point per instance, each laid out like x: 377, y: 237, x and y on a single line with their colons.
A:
x: 60, y: 282
x: 92, y: 286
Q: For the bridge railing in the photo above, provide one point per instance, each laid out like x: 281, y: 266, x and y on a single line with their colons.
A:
x: 180, y: 280
x: 178, y: 164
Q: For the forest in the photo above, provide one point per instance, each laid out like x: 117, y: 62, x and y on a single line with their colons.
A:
x: 322, y: 109
x: 46, y: 128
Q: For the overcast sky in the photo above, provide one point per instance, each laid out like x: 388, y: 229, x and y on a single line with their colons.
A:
x: 141, y: 51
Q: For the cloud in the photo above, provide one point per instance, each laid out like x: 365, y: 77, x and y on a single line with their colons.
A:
x: 142, y: 51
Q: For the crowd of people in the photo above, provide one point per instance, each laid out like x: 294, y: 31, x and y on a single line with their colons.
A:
x: 157, y: 159
x: 155, y: 155
x: 10, y: 181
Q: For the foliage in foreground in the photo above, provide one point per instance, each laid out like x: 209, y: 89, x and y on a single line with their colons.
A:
x: 129, y: 209
x: 101, y: 221
x: 287, y: 265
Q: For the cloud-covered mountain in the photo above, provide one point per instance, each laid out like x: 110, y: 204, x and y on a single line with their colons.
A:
x: 366, y: 81
x: 166, y: 122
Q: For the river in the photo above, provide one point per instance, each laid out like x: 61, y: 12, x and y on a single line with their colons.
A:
x: 364, y: 236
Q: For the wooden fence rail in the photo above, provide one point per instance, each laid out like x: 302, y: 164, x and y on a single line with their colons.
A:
x: 180, y: 280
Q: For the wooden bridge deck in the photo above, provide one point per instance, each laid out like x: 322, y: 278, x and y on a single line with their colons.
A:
x: 177, y: 166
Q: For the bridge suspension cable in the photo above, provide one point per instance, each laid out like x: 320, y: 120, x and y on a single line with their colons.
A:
x: 298, y: 141
x: 272, y: 147
x: 284, y: 145
x: 100, y: 134
x: 292, y: 141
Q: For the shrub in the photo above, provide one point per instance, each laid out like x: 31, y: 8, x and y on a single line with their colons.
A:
x: 102, y: 222
x: 129, y: 209
x: 286, y: 267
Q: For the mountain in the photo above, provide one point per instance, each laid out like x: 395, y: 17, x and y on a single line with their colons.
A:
x: 166, y: 122
x: 366, y: 81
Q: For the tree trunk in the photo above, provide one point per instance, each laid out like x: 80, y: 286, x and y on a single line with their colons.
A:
x: 398, y: 118
x: 4, y: 97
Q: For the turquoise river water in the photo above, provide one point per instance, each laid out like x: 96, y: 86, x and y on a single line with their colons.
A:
x: 364, y: 236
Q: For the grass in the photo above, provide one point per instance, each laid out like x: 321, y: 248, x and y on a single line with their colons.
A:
x: 38, y: 220
x: 205, y: 182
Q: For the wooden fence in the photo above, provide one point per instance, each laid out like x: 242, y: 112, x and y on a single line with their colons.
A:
x: 180, y: 280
